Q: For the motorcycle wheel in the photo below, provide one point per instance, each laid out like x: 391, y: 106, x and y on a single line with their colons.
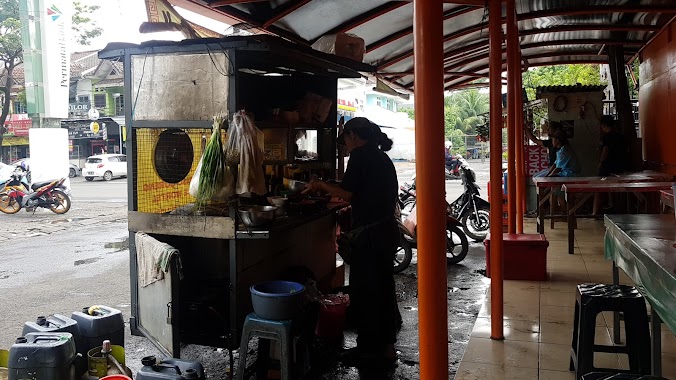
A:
x: 403, y: 256
x: 9, y: 205
x: 476, y: 226
x: 457, y: 245
x: 64, y: 202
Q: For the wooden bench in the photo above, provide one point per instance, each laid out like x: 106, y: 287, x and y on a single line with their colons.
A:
x: 544, y: 187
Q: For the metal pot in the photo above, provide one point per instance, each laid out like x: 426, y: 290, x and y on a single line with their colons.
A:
x: 257, y: 216
x: 296, y: 187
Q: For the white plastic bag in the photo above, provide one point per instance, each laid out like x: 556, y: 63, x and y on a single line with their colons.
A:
x: 227, y: 184
x: 247, y: 140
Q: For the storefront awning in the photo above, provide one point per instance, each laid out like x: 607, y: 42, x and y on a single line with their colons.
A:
x: 14, y: 140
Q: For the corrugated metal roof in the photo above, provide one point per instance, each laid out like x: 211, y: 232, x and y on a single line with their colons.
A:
x: 551, y: 31
x: 567, y: 89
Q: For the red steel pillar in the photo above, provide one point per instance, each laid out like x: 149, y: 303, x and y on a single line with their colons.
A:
x: 520, y: 140
x: 495, y: 83
x: 512, y: 70
x: 429, y: 143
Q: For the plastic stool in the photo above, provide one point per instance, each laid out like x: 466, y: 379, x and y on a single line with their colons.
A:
x: 591, y: 300
x: 282, y: 331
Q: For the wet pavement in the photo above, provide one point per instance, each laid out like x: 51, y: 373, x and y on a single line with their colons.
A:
x: 60, y: 263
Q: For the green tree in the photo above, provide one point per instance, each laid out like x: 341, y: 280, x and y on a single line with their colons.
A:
x: 560, y: 75
x: 11, y: 51
x: 11, y: 55
x: 84, y: 28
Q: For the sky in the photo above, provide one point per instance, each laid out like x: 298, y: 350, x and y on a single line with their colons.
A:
x: 120, y: 20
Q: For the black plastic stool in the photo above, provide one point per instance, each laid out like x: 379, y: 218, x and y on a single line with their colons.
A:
x: 591, y: 300
x: 286, y: 333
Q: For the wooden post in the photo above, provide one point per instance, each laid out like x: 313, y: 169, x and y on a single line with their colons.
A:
x: 429, y: 142
x: 495, y: 73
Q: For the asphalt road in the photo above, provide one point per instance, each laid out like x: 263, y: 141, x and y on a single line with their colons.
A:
x: 61, y: 263
x: 99, y: 190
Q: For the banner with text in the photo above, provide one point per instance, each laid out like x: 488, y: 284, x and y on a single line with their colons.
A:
x: 537, y: 159
x: 45, y: 31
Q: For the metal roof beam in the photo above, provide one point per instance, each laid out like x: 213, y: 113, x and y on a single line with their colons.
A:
x: 285, y: 10
x: 455, y: 12
x: 477, y: 70
x: 597, y: 9
x: 469, y: 60
x: 221, y: 3
x: 447, y: 38
x: 367, y: 16
x: 247, y: 18
x: 591, y: 27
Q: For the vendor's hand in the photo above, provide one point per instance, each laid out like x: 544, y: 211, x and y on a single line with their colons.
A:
x: 314, y: 186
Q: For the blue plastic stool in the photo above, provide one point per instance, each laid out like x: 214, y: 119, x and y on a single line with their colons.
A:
x: 285, y: 332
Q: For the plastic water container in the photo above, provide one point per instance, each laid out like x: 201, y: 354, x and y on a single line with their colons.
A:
x: 99, y: 323
x: 61, y: 323
x: 44, y: 356
x: 169, y: 369
x: 332, y: 314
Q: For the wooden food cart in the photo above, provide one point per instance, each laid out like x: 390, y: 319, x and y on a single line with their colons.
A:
x: 172, y: 91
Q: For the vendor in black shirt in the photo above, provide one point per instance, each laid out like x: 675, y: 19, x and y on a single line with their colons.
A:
x: 613, y: 158
x: 550, y: 129
x: 370, y: 185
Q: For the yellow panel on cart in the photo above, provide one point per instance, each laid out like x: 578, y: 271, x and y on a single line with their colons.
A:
x: 166, y: 162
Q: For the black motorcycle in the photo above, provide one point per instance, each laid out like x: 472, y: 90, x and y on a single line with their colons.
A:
x: 457, y: 245
x: 472, y: 210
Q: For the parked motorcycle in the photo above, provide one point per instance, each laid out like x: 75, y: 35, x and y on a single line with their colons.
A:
x: 457, y: 245
x: 472, y: 210
x: 16, y: 178
x: 15, y: 195
x: 407, y: 197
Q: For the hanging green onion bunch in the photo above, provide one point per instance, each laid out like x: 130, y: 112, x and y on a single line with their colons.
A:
x: 213, y: 164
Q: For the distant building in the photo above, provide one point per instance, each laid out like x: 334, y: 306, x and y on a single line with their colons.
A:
x: 357, y: 98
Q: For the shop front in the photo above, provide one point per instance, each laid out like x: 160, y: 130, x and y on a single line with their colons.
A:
x: 88, y: 138
x: 15, y: 139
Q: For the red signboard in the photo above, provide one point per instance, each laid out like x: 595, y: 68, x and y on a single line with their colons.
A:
x: 537, y: 159
x: 18, y: 124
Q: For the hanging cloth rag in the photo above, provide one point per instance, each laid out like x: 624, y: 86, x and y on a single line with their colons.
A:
x: 154, y: 259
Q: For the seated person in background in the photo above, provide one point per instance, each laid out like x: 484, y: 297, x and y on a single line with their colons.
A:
x: 613, y: 154
x: 549, y: 129
x: 566, y: 162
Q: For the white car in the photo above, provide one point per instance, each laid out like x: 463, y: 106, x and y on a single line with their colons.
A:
x: 105, y: 166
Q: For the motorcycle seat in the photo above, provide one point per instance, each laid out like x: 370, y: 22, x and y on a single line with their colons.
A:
x: 37, y: 185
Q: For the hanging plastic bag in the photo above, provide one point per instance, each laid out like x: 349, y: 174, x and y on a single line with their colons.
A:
x: 247, y: 140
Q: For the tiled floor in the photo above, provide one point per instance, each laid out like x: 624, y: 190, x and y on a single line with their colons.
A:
x: 539, y: 316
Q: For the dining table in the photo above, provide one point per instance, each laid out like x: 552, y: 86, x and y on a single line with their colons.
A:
x: 644, y: 247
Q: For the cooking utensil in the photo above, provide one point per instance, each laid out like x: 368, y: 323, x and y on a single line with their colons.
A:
x: 257, y: 216
x: 296, y: 187
x: 278, y: 201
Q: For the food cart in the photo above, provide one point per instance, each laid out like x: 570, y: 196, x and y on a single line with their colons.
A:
x: 172, y: 91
